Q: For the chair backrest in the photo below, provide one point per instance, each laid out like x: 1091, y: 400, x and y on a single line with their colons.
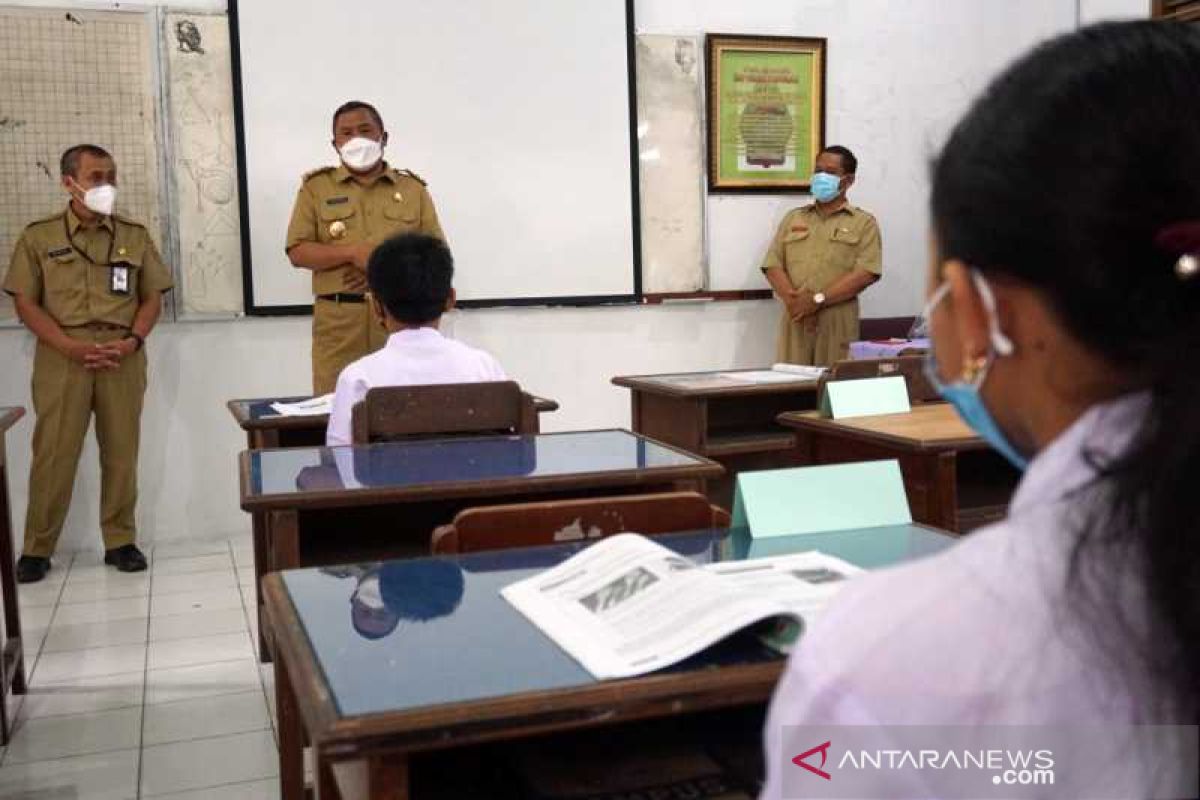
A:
x: 908, y: 367
x: 390, y: 413
x: 549, y: 522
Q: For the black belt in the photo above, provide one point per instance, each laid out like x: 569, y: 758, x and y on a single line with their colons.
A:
x: 97, y: 326
x: 342, y: 297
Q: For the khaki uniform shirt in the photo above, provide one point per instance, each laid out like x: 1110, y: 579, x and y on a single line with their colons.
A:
x: 815, y: 251
x: 69, y: 269
x: 332, y: 208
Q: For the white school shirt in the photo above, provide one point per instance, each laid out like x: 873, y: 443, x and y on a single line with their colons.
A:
x: 980, y: 634
x: 411, y: 357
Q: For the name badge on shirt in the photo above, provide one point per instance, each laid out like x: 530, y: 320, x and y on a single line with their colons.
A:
x: 119, y: 280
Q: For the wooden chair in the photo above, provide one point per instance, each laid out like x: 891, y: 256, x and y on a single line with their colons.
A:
x: 391, y: 413
x: 551, y: 522
x: 908, y: 367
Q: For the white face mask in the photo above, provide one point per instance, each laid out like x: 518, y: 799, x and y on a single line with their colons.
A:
x: 361, y: 154
x: 99, y: 199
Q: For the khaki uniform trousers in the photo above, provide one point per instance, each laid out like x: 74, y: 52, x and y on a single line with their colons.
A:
x: 342, y: 333
x: 821, y: 339
x: 65, y: 396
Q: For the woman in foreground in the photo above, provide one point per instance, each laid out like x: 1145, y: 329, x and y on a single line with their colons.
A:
x: 1065, y: 314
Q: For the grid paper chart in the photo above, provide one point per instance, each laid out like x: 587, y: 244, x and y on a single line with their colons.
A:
x: 66, y: 78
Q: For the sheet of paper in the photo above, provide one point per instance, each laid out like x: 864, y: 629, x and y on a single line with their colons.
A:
x: 865, y: 397
x: 761, y: 376
x: 788, y: 502
x: 313, y: 407
x: 802, y: 370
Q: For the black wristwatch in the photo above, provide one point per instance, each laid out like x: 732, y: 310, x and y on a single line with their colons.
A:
x: 140, y: 341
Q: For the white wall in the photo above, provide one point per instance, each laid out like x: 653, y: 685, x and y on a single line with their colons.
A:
x: 189, y: 442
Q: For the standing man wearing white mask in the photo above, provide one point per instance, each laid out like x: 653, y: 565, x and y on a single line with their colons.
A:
x: 89, y: 284
x: 821, y: 258
x: 341, y: 214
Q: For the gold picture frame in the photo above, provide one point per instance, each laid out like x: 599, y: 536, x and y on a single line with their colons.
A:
x: 766, y: 111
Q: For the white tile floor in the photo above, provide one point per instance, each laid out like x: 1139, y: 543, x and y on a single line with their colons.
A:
x: 145, y: 684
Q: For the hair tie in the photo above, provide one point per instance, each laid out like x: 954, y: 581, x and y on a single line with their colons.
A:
x: 1182, y: 239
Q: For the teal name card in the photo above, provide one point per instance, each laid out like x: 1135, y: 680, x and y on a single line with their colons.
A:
x: 787, y: 502
x: 865, y: 397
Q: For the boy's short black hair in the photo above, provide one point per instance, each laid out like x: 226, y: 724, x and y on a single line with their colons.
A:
x: 411, y: 275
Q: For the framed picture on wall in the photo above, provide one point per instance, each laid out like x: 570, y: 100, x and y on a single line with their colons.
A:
x: 766, y: 111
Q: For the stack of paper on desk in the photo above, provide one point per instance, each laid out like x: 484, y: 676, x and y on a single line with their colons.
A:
x: 313, y: 407
x: 780, y: 373
x: 628, y: 606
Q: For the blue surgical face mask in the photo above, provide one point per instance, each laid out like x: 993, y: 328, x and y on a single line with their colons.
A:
x: 965, y: 395
x: 825, y: 186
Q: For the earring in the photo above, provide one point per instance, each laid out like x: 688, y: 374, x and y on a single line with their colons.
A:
x: 1187, y: 266
x: 972, y: 366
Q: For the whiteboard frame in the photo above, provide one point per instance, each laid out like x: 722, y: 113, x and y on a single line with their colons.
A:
x: 252, y: 308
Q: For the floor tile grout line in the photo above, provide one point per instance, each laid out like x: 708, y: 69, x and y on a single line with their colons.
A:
x: 231, y: 784
x: 15, y: 720
x: 141, y: 745
x: 252, y: 630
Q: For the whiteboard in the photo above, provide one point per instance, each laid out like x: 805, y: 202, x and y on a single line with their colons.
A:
x: 516, y: 113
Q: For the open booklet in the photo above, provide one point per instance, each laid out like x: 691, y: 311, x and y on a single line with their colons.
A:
x: 312, y: 407
x: 627, y: 606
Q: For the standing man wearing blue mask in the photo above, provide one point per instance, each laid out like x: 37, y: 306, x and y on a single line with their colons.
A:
x: 823, y: 255
x: 341, y: 213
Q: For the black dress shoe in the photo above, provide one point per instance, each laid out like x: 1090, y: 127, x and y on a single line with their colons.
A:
x: 126, y: 558
x: 31, y: 569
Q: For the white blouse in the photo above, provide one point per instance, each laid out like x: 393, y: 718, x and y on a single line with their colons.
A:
x: 981, y: 634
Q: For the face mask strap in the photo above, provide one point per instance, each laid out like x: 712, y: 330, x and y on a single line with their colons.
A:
x: 1000, y: 343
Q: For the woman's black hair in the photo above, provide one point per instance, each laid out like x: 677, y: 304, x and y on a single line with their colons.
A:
x: 1064, y: 176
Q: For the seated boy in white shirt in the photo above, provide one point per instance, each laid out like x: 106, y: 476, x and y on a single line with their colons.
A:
x: 410, y: 280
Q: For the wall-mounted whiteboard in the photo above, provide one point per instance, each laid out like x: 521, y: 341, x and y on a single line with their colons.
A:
x: 516, y: 113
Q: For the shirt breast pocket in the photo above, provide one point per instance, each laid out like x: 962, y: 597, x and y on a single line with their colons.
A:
x: 795, y: 243
x: 843, y: 249
x: 338, y: 223
x: 401, y: 217
x: 64, y: 275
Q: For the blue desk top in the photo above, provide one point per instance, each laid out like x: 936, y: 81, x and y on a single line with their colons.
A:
x: 283, y: 473
x: 401, y: 635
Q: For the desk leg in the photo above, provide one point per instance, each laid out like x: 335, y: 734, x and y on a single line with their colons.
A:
x: 282, y: 549
x: 261, y: 528
x: 326, y: 784
x: 263, y: 439
x: 291, y: 737
x: 944, y: 490
x: 12, y: 650
x: 388, y: 778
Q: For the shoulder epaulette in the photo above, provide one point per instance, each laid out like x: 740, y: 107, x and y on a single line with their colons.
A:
x: 410, y: 174
x: 129, y: 221
x: 47, y: 218
x: 318, y: 171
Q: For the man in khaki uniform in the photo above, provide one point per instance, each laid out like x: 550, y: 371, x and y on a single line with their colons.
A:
x: 821, y: 258
x: 341, y: 213
x: 89, y: 284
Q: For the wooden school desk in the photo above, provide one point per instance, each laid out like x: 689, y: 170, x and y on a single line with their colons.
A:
x: 12, y: 649
x: 720, y: 417
x: 333, y: 505
x: 473, y: 670
x: 265, y: 427
x: 953, y: 479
